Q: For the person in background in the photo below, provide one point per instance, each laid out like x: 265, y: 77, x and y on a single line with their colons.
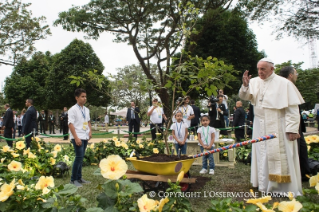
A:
x: 15, y: 124
x: 225, y: 98
x: 239, y: 121
x: 156, y: 114
x: 64, y: 118
x: 42, y: 119
x: 51, y: 122
x: 217, y: 113
x: 8, y: 124
x: 133, y: 119
x: 106, y: 121
x: 195, y: 121
x: 19, y: 125
x: 29, y: 121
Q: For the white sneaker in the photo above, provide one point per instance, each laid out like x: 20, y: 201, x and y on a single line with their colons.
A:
x: 203, y: 171
x: 211, y: 171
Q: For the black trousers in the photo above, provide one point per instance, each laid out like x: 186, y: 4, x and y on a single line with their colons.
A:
x: 134, y: 124
x: 194, y: 130
x: 65, y: 131
x: 28, y: 141
x: 8, y: 134
x: 220, y: 124
x: 303, y: 157
x: 318, y: 122
x: 239, y: 134
x: 153, y: 131
x: 42, y: 127
x: 51, y: 126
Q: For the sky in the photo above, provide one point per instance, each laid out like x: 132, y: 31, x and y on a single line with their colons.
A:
x: 118, y: 55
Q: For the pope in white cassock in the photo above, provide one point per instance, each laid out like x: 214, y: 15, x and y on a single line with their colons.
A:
x: 275, y: 162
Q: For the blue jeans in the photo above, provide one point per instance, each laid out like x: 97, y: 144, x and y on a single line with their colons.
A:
x: 209, y: 157
x: 183, y: 148
x: 78, y: 161
x: 226, y: 119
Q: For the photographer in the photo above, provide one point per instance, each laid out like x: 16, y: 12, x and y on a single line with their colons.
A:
x: 187, y: 110
x: 156, y: 114
x: 133, y: 119
x: 225, y: 98
x: 217, y: 111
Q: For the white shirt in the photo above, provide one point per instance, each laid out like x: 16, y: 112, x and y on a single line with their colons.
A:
x: 78, y: 116
x: 106, y: 119
x: 206, y: 137
x: 225, y: 101
x: 157, y: 115
x: 179, y: 130
x: 187, y: 112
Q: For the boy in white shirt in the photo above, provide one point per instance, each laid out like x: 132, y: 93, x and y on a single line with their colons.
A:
x: 80, y: 133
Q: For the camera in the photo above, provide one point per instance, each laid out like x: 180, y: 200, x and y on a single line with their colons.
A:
x: 179, y: 100
x: 213, y: 99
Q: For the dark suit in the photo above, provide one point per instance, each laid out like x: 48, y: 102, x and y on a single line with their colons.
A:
x: 133, y: 122
x: 9, y: 124
x: 29, y: 122
x: 64, y: 119
x: 195, y: 121
x: 239, y: 120
x: 42, y: 119
x: 303, y: 151
x: 220, y: 123
x: 51, y: 123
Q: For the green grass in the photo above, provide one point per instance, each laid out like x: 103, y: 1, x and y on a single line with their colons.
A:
x: 224, y: 180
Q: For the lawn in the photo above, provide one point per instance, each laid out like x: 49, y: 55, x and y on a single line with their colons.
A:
x: 224, y: 180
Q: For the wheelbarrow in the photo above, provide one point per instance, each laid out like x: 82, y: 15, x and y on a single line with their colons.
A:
x: 160, y: 172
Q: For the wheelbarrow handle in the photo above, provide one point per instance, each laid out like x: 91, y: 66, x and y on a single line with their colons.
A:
x: 244, y: 143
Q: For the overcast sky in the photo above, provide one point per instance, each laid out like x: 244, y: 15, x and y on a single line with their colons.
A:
x: 115, y: 55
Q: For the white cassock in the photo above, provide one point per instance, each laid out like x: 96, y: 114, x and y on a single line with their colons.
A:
x: 275, y: 163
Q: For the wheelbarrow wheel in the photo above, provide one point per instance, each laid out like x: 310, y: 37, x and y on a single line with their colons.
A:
x: 185, y: 187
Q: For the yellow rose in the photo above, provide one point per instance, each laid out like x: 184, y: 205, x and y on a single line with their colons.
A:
x: 57, y: 148
x: 31, y: 155
x: 155, y: 150
x: 180, y: 176
x: 45, y: 190
x: 145, y: 204
x: 7, y: 190
x: 2, y: 160
x: 162, y: 203
x: 122, y: 139
x: 44, y: 182
x: 6, y: 149
x: 25, y: 152
x: 14, y: 154
x: 55, y: 153
x: 114, y: 139
x: 225, y: 154
x: 66, y: 158
x: 113, y: 167
x: 291, y: 206
x: 141, y: 146
x: 52, y: 161
x: 20, y: 145
x: 20, y: 187
x: 15, y: 166
x: 290, y: 196
x: 124, y: 145
x: 37, y: 139
x: 138, y: 141
x: 20, y: 182
x: 92, y: 146
x: 104, y: 141
x: 314, y: 180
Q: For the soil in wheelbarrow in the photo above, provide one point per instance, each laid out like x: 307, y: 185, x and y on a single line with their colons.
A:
x: 164, y: 158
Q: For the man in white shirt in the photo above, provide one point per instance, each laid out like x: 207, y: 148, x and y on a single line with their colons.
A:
x: 106, y: 121
x: 80, y: 133
x: 156, y: 114
x: 225, y: 98
x: 187, y: 110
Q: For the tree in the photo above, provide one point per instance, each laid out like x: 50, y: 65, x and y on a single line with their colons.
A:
x: 44, y: 78
x: 19, y: 31
x: 227, y: 36
x: 298, y: 18
x: 28, y: 81
x: 152, y: 25
x: 77, y: 59
x: 307, y: 83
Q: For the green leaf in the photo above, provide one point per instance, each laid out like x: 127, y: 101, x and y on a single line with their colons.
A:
x: 128, y: 188
x: 95, y: 210
x: 111, y: 209
x: 68, y: 190
x: 104, y: 201
x: 97, y: 172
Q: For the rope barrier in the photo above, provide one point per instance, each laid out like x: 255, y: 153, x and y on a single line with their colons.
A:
x: 139, y: 132
x: 69, y: 134
x: 15, y: 139
x: 244, y: 143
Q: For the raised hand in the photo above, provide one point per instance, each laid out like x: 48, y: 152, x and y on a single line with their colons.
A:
x: 246, y: 78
